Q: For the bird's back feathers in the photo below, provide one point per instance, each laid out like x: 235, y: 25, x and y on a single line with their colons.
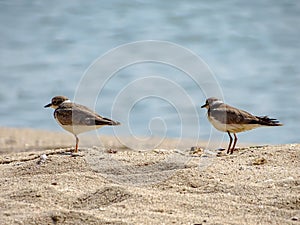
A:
x: 79, y: 115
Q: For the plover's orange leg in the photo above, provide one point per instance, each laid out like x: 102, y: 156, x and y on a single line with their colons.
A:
x: 234, y: 143
x: 230, y: 141
x: 77, y: 141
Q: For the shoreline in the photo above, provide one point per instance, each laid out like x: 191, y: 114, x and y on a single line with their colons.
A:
x: 28, y: 139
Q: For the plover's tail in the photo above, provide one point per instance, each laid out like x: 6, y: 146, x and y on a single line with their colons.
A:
x: 106, y: 121
x: 114, y: 123
x: 266, y: 121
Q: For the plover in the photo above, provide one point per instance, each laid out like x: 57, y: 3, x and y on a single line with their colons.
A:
x: 77, y: 118
x: 232, y: 120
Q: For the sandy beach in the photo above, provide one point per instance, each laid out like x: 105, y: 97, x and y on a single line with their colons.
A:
x: 41, y: 183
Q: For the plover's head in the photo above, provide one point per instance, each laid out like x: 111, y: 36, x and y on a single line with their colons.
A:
x: 211, y: 102
x: 56, y: 101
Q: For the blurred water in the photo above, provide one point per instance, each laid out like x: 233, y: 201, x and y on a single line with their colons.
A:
x: 252, y: 46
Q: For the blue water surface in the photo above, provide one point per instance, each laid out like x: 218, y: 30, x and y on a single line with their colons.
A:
x: 252, y: 47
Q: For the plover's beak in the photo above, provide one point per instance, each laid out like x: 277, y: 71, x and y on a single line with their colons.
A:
x: 46, y: 106
x: 204, y: 106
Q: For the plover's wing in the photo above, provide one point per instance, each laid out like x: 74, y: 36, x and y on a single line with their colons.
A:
x: 91, y: 117
x: 230, y: 115
x: 79, y: 115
